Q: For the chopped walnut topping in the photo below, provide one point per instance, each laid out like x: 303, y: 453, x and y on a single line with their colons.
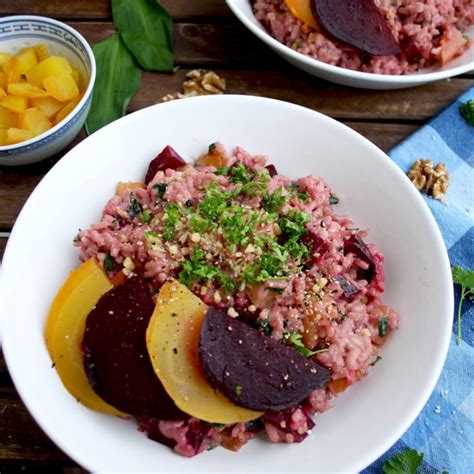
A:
x: 200, y: 82
x: 433, y: 181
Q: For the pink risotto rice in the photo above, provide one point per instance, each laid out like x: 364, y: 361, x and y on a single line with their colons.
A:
x: 285, y: 262
x: 428, y: 32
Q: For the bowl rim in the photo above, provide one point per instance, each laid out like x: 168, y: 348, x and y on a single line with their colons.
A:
x: 412, y: 78
x: 443, y: 347
x: 85, y: 96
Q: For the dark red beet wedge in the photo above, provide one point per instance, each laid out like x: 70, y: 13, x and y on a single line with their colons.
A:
x: 115, y: 355
x: 358, y: 23
x: 357, y: 246
x: 252, y: 370
x: 272, y: 171
x: 167, y: 159
x: 317, y: 247
x: 348, y: 289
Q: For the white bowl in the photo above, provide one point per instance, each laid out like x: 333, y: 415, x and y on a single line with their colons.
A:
x: 243, y: 11
x: 366, y: 419
x: 21, y: 31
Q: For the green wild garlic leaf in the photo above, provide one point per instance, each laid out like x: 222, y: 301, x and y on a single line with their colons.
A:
x: 407, y: 461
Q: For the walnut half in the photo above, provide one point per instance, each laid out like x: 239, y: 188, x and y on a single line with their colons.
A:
x: 433, y: 181
x: 199, y: 82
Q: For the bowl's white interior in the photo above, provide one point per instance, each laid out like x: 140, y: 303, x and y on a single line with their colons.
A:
x: 366, y: 419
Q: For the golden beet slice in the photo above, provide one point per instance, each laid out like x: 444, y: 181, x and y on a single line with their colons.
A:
x: 356, y: 22
x: 65, y: 328
x: 253, y: 370
x: 172, y: 340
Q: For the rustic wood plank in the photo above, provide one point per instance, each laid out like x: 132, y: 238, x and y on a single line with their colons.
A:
x: 16, y: 184
x: 21, y: 436
x: 3, y: 243
x: 100, y: 9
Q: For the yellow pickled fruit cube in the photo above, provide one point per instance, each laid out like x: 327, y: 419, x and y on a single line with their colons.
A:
x: 3, y: 136
x: 8, y: 119
x: 4, y: 59
x: 3, y: 80
x: 11, y: 71
x: 17, y: 135
x: 25, y: 89
x: 35, y: 120
x: 25, y: 60
x: 41, y: 51
x: 49, y: 106
x: 66, y: 110
x: 76, y: 75
x: 14, y: 103
x: 52, y: 66
x: 61, y: 86
x: 3, y: 94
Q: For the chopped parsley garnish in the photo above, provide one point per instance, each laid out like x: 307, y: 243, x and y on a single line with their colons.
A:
x: 109, y: 263
x: 294, y: 339
x: 146, y: 217
x: 407, y: 461
x: 464, y: 278
x: 222, y: 171
x: 293, y: 224
x: 238, y: 390
x: 383, y: 327
x: 197, y: 268
x: 160, y: 190
x: 274, y: 202
x: 173, y: 214
x: 303, y: 196
x: 134, y: 208
x: 239, y: 173
x: 467, y: 111
x: 333, y: 199
x: 216, y: 425
x: 377, y: 359
x: 265, y: 325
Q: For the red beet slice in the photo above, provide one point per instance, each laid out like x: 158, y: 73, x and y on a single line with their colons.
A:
x: 167, y: 159
x: 272, y: 171
x: 317, y: 247
x: 347, y: 288
x: 358, y: 23
x: 253, y: 370
x: 357, y: 246
x: 115, y: 355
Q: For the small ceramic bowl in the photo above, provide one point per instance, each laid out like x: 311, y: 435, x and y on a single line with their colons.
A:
x: 465, y: 63
x: 18, y: 32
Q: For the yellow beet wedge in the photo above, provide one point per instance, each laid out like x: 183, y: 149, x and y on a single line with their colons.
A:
x: 172, y: 340
x: 65, y: 329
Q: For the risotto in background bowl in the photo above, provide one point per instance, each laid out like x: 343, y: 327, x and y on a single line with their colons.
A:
x: 272, y: 22
x: 365, y: 419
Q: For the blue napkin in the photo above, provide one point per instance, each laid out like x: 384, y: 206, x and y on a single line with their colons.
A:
x: 444, y: 430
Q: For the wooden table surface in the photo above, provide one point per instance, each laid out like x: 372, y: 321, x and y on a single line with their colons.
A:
x: 205, y: 35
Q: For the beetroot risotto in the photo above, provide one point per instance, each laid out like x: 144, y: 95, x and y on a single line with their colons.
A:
x: 288, y: 291
x: 427, y: 31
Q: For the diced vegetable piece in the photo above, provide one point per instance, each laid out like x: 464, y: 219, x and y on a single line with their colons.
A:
x: 4, y: 59
x: 25, y: 89
x: 301, y: 9
x: 123, y: 186
x: 41, y: 51
x: 3, y: 80
x: 66, y: 110
x: 8, y: 119
x: 65, y: 329
x: 35, y: 120
x: 76, y: 75
x: 3, y: 136
x: 172, y: 341
x: 17, y: 135
x: 61, y: 86
x: 11, y: 71
x: 453, y: 43
x: 272, y: 171
x: 25, y: 60
x: 14, y: 103
x: 52, y: 66
x: 168, y: 158
x: 48, y: 105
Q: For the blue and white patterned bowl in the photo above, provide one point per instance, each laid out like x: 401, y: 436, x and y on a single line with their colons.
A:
x: 22, y: 31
